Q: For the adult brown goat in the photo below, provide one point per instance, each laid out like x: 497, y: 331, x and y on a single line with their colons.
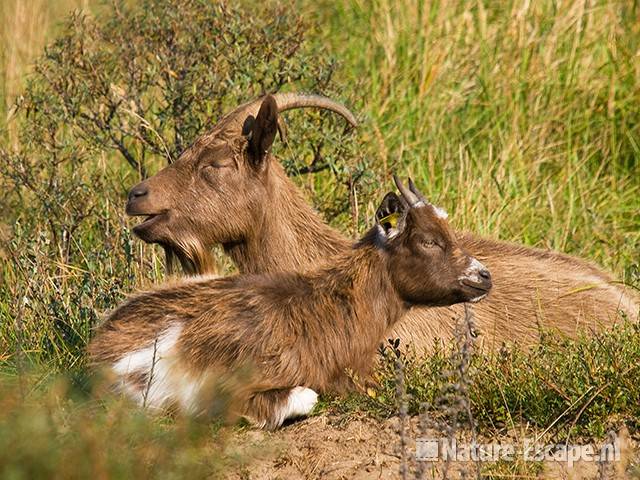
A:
x: 293, y: 334
x: 227, y: 189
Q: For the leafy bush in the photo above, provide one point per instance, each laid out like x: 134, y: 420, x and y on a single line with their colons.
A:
x: 110, y: 99
x: 149, y: 79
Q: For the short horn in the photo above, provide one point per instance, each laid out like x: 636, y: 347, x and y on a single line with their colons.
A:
x: 407, y: 194
x: 414, y: 189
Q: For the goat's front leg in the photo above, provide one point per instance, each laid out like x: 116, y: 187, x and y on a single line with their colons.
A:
x: 270, y: 408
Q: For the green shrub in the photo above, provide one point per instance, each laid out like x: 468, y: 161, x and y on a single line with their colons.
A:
x: 111, y: 99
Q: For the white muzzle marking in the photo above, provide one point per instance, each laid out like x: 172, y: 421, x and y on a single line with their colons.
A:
x: 472, y: 273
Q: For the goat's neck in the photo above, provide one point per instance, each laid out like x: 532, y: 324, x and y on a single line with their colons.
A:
x: 288, y: 236
x: 360, y: 278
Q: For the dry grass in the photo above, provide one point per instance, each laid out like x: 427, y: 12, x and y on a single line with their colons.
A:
x: 25, y: 27
x: 519, y: 117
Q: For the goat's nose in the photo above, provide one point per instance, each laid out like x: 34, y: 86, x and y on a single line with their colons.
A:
x: 138, y: 191
x: 485, y: 278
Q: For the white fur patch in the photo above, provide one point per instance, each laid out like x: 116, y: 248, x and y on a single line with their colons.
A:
x: 477, y: 299
x: 472, y: 274
x: 440, y: 213
x: 473, y: 271
x: 299, y: 404
x: 202, y: 278
x: 166, y: 382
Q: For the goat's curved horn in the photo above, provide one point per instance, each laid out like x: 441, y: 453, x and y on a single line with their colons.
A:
x: 289, y: 101
x: 414, y: 189
x: 411, y: 198
x: 285, y: 101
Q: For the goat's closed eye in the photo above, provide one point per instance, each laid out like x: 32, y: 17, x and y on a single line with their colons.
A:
x: 212, y: 171
x: 217, y: 164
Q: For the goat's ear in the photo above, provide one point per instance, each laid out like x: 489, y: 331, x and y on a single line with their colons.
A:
x: 261, y: 131
x: 391, y: 214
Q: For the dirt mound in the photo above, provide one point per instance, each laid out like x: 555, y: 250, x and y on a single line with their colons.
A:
x: 322, y: 447
x: 332, y: 448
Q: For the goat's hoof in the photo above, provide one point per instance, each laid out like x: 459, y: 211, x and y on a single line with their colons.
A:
x: 301, y: 402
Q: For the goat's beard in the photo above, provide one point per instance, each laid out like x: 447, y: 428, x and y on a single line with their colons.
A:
x: 192, y: 256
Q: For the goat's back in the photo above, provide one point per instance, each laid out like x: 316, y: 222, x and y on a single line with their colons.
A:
x: 533, y: 289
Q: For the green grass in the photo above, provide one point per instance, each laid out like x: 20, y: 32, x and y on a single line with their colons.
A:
x: 55, y: 427
x: 567, y: 388
x: 25, y: 27
x: 522, y: 123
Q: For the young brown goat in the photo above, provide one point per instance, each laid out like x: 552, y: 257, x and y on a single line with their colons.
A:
x: 227, y: 189
x: 297, y: 334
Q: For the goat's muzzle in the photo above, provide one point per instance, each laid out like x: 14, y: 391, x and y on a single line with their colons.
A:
x: 476, y: 280
x: 139, y: 205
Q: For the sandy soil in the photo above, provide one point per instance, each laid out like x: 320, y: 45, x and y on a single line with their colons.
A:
x: 326, y: 447
x: 322, y: 447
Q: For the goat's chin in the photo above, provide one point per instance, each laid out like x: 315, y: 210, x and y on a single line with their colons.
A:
x: 478, y: 298
x: 151, y: 229
x: 473, y: 293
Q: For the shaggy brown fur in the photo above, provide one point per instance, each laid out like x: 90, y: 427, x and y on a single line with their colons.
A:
x: 287, y: 329
x: 247, y: 204
x: 229, y: 160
